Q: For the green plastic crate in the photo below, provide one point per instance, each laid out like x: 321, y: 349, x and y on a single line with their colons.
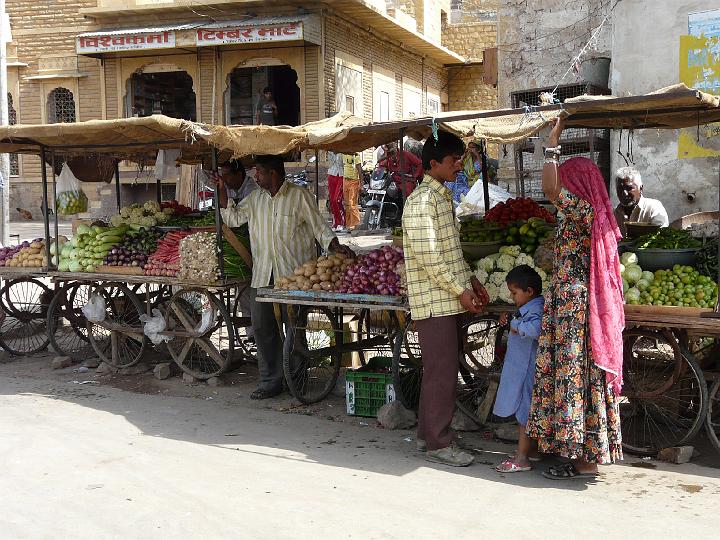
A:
x: 366, y: 390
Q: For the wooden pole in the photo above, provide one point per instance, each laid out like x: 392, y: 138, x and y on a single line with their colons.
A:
x: 46, y: 213
x: 485, y: 178
x: 218, y: 219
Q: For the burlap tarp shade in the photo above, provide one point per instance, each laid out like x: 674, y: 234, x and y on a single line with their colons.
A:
x: 140, y: 138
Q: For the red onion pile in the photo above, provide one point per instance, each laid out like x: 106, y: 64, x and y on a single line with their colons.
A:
x: 374, y: 273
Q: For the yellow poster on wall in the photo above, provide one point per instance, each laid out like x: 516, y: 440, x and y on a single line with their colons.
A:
x: 700, y: 69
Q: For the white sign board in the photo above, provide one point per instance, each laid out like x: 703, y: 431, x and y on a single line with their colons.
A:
x: 208, y: 37
x: 125, y: 42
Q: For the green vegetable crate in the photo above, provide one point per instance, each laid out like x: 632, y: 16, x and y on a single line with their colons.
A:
x: 367, y: 388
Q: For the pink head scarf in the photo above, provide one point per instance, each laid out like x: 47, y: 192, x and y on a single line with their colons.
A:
x: 581, y: 177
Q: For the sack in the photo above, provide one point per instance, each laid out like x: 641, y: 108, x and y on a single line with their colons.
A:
x: 153, y: 326
x: 94, y: 310
x: 70, y: 197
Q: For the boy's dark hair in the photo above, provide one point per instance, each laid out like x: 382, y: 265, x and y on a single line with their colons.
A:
x: 525, y: 278
x: 234, y: 165
x: 447, y: 144
x: 272, y: 163
x: 267, y: 90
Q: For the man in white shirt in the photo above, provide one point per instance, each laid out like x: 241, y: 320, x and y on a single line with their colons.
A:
x: 236, y: 182
x: 633, y: 206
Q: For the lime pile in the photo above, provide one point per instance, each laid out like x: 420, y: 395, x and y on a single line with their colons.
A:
x: 681, y: 286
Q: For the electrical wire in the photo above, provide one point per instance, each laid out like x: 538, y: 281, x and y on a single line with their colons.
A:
x: 554, y: 33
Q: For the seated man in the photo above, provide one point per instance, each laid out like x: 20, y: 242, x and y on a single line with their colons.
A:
x: 412, y: 169
x: 633, y: 206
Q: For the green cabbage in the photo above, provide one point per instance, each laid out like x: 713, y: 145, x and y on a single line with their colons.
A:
x: 628, y: 258
x: 632, y: 295
x: 633, y: 273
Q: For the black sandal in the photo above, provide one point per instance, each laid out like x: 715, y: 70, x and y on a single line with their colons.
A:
x: 567, y: 471
x: 264, y: 394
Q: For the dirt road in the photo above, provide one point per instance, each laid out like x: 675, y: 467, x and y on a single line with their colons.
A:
x: 173, y: 460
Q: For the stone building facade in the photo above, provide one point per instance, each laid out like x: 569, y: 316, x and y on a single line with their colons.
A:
x: 77, y: 60
x: 538, y: 39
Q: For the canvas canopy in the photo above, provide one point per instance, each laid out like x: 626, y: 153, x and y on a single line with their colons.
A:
x: 140, y: 138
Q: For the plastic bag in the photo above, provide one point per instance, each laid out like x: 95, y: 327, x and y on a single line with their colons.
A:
x: 94, y: 310
x: 71, y: 199
x: 153, y: 326
x: 474, y: 201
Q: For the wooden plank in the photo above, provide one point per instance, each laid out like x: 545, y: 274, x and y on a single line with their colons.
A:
x: 300, y: 297
x: 672, y: 311
x: 486, y: 406
x: 89, y: 277
x: 120, y: 270
x: 16, y: 272
x: 237, y: 245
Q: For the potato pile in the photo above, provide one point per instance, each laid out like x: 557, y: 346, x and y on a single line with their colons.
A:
x: 320, y: 275
x: 32, y: 256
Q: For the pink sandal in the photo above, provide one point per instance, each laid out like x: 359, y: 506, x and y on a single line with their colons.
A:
x: 511, y: 466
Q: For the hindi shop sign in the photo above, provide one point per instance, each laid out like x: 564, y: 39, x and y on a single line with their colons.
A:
x: 208, y: 37
x: 125, y: 42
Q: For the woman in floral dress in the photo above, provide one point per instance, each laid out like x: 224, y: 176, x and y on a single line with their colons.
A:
x: 574, y: 410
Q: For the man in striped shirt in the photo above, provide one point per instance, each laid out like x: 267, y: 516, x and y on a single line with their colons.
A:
x: 439, y: 291
x: 284, y: 222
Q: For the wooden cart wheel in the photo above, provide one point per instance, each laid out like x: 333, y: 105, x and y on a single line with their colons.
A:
x: 484, y: 346
x: 119, y: 339
x: 245, y: 344
x: 310, y: 364
x: 66, y: 325
x: 202, y: 334
x: 25, y: 302
x: 407, y: 367
x: 664, y: 399
x: 712, y: 422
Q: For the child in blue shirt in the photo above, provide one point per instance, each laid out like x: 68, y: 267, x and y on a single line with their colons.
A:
x: 518, y: 374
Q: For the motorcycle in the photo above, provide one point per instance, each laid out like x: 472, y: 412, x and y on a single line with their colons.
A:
x: 300, y: 178
x: 383, y: 208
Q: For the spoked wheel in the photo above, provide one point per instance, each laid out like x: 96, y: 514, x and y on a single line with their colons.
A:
x: 712, y: 422
x: 310, y: 363
x: 377, y: 329
x: 66, y: 324
x: 484, y: 346
x: 664, y: 400
x: 407, y: 367
x: 118, y: 340
x: 25, y: 302
x: 242, y: 323
x: 202, y: 334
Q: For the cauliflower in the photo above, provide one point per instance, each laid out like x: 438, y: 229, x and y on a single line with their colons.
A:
x: 506, y: 262
x: 151, y: 207
x: 542, y: 274
x: 125, y: 212
x: 161, y: 217
x: 168, y: 211
x: 493, y: 291
x: 136, y: 213
x: 498, y: 278
x: 524, y: 258
x: 513, y: 251
x: 482, y: 275
x: 487, y: 264
x: 117, y: 220
x: 505, y: 296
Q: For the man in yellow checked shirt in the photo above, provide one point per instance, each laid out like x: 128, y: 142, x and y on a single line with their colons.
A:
x: 284, y: 222
x: 439, y: 291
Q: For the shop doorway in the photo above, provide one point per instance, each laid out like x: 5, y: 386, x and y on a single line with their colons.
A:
x: 162, y: 92
x: 245, y: 86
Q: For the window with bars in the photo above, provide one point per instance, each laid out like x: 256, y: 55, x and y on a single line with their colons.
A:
x: 12, y: 120
x: 60, y: 106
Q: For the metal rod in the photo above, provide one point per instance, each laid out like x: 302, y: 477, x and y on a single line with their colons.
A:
x: 218, y: 220
x: 485, y: 178
x: 46, y: 213
x: 118, y: 197
x: 57, y: 249
x: 317, y: 176
x: 158, y: 190
x: 401, y: 164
